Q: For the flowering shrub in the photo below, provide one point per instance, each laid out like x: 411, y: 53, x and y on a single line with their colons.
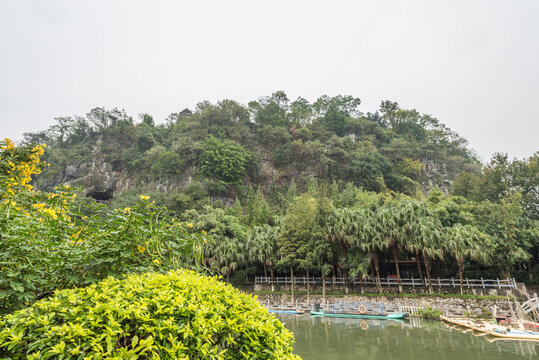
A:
x: 54, y: 240
x: 178, y: 315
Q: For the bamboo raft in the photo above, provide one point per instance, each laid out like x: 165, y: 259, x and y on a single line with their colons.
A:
x: 493, y: 329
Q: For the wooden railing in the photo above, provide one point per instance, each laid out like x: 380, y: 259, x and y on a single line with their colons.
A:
x: 436, y: 282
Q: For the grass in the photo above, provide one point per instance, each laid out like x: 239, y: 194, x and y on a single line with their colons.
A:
x: 335, y: 293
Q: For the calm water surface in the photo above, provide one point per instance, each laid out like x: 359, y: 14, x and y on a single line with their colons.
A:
x: 329, y: 338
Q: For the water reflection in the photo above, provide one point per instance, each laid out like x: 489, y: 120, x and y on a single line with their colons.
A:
x: 334, y: 338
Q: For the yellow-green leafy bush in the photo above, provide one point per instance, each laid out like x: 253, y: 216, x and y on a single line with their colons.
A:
x: 178, y: 315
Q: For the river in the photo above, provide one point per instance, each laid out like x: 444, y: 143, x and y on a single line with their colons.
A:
x: 320, y: 338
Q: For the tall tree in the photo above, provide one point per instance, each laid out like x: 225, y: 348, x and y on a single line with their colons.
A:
x: 373, y: 241
x: 297, y: 228
x: 262, y: 246
x: 465, y: 241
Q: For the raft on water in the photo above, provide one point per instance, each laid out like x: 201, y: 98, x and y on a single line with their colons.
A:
x: 492, y: 329
x: 387, y: 316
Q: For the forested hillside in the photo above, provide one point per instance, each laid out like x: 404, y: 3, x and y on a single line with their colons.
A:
x: 315, y: 188
x: 225, y: 148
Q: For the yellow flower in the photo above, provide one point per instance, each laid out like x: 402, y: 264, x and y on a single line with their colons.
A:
x: 204, y: 232
x: 157, y: 261
x: 189, y: 225
x: 51, y: 212
x: 38, y: 206
x: 141, y: 249
x: 127, y: 210
x: 144, y: 197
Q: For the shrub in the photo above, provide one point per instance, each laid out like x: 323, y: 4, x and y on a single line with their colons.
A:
x: 54, y: 240
x: 178, y: 315
x: 429, y: 313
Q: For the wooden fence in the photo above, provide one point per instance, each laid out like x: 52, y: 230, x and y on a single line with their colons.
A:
x: 436, y: 282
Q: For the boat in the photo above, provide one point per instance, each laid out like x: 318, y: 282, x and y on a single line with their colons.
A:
x: 493, y: 329
x: 357, y: 310
x: 356, y: 315
x: 293, y: 312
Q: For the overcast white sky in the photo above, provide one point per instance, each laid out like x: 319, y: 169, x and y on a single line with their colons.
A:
x: 474, y: 65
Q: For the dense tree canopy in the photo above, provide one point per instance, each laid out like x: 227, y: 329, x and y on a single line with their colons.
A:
x: 293, y: 186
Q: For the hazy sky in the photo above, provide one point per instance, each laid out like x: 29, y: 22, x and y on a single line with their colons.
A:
x: 474, y: 65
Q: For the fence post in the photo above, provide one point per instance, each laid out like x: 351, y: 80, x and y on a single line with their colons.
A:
x: 388, y: 281
x: 482, y: 283
x: 498, y: 282
x: 333, y: 279
x: 468, y: 283
x: 452, y: 281
x: 439, y: 283
x: 413, y: 284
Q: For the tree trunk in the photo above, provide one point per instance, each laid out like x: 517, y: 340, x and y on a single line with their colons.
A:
x: 377, y: 268
x: 419, y: 268
x: 272, y: 281
x: 396, y: 258
x: 308, y: 287
x: 265, y: 272
x: 461, y: 270
x: 228, y: 277
x: 530, y: 272
x: 292, y: 281
x: 428, y: 267
x: 346, y: 275
x: 323, y: 285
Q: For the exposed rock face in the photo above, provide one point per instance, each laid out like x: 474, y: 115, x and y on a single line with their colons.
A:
x: 434, y: 174
x: 101, y: 182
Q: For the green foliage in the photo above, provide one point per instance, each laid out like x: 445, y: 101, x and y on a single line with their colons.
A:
x: 258, y: 211
x: 283, y: 147
x: 429, y: 313
x: 178, y: 315
x: 298, y: 228
x: 53, y: 240
x: 226, y: 252
x: 223, y: 160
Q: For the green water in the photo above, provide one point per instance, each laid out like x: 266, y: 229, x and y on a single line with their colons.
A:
x: 331, y: 338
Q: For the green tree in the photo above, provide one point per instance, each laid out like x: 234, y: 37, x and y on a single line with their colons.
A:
x: 465, y: 241
x: 373, y: 241
x: 297, y: 229
x: 223, y: 160
x: 258, y: 211
x: 262, y: 246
